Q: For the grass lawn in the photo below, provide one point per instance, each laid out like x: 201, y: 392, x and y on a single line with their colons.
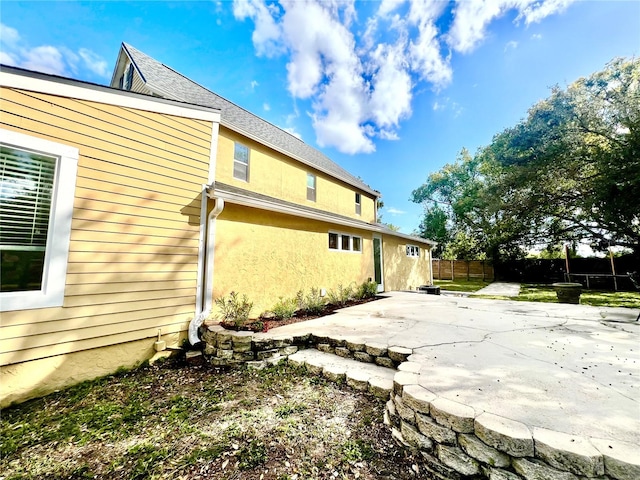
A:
x: 460, y: 285
x: 545, y: 293
x: 177, y: 422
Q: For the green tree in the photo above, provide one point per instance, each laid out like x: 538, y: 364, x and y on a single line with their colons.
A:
x: 570, y: 171
x: 434, y: 226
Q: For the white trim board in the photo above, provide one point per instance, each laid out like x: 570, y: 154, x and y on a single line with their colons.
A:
x: 69, y: 88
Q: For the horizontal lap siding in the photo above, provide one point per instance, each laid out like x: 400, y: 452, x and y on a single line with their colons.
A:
x: 134, y: 241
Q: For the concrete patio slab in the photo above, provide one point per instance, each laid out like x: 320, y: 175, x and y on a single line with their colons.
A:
x: 573, y: 369
x: 499, y: 289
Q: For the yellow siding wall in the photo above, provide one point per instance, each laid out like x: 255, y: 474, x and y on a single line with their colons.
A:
x: 268, y: 255
x: 400, y: 271
x: 134, y: 239
x: 274, y: 174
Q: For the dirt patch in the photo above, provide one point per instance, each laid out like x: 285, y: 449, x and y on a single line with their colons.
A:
x: 178, y: 422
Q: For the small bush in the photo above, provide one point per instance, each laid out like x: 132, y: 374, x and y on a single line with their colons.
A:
x: 366, y: 290
x: 341, y: 295
x: 234, y: 309
x: 313, y: 303
x: 285, y: 308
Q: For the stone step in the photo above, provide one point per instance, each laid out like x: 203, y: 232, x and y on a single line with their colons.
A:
x: 358, y: 375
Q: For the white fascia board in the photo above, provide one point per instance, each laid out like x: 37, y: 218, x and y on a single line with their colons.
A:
x: 264, y: 204
x: 261, y: 204
x: 261, y: 141
x: 69, y: 88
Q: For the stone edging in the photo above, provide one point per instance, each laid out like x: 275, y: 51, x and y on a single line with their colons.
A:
x: 455, y: 440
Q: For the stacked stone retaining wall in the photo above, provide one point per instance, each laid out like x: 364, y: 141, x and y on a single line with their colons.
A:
x: 456, y: 441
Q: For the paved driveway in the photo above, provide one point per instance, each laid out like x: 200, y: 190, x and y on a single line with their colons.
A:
x: 568, y: 368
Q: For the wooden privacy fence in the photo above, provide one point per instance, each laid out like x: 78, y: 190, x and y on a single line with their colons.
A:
x: 461, y: 269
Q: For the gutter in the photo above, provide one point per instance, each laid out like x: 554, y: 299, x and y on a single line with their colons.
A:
x: 206, y: 264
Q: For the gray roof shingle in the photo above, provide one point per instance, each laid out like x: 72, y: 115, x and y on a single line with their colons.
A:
x: 171, y: 84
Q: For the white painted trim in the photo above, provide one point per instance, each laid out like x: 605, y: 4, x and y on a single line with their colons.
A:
x: 351, y: 237
x: 290, y: 210
x: 213, y: 152
x: 327, y: 217
x: 73, y: 89
x: 57, y: 250
x: 374, y: 238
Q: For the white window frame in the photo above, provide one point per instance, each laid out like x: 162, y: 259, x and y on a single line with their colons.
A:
x: 413, y: 251
x: 235, y: 145
x: 358, y: 204
x: 312, y: 191
x: 54, y: 275
x: 340, y: 238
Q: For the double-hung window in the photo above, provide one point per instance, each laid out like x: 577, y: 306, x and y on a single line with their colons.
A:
x: 241, y: 162
x: 311, y: 187
x: 37, y: 184
x: 358, y: 204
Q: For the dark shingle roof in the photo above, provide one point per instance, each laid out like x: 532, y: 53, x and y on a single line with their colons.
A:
x: 167, y: 82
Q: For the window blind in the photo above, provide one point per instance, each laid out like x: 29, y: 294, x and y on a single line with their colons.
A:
x: 26, y: 185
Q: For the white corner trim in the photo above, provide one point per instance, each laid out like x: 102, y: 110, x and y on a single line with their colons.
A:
x: 213, y: 152
x: 72, y: 89
x: 57, y: 250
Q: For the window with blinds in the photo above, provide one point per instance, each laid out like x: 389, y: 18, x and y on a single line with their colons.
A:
x: 26, y: 187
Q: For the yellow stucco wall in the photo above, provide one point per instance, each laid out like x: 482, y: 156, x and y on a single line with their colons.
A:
x: 25, y: 380
x: 135, y: 228
x: 400, y: 271
x: 268, y: 255
x: 274, y: 174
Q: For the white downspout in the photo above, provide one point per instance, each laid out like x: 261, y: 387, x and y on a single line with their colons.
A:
x: 204, y: 296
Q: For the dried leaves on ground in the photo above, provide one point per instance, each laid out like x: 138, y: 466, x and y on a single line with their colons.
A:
x: 179, y: 422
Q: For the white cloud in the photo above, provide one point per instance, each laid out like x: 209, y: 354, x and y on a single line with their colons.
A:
x: 95, y: 62
x: 359, y: 74
x: 293, y: 132
x: 537, y: 11
x: 472, y: 17
x: 48, y: 58
x: 394, y: 211
x: 7, y: 59
x: 536, y: 36
x: 511, y: 45
x: 254, y: 84
x: 267, y: 33
x: 266, y: 107
x: 8, y: 35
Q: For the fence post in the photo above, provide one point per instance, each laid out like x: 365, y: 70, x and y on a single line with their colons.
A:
x: 468, y: 267
x: 452, y: 275
x: 483, y: 271
x: 439, y: 270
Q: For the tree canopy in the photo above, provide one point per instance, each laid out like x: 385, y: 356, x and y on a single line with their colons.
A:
x: 569, y: 172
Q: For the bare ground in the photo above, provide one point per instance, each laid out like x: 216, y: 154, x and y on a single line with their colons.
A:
x: 179, y: 422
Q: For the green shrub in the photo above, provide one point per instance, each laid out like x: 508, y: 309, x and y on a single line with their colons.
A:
x: 341, y: 295
x: 234, y: 309
x: 285, y: 308
x: 312, y: 303
x: 366, y: 290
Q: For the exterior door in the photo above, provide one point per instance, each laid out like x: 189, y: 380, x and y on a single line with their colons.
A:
x: 377, y: 262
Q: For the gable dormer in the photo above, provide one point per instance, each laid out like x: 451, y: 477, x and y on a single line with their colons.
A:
x: 127, y: 76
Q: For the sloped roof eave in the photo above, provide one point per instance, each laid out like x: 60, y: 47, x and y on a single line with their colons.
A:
x: 345, y: 177
x: 251, y: 199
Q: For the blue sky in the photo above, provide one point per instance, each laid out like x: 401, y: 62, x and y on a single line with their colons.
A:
x: 390, y: 90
